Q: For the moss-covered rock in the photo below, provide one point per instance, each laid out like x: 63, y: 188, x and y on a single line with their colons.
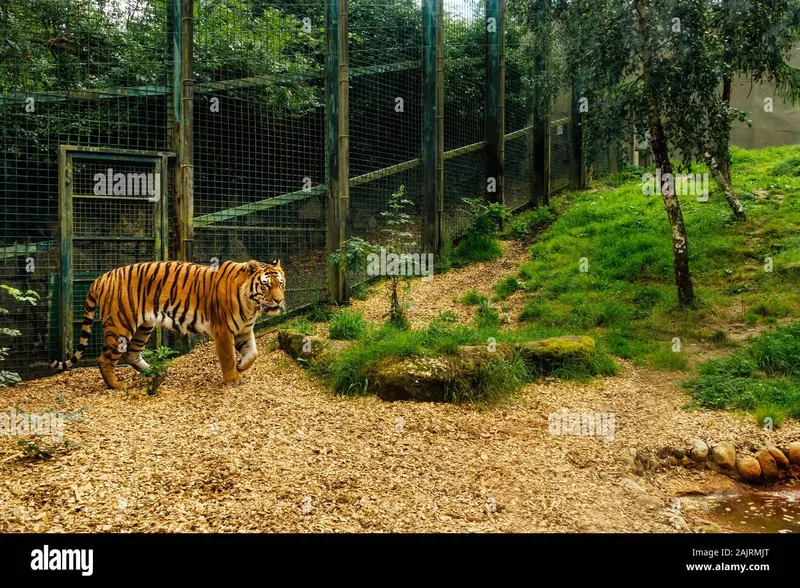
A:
x: 550, y: 353
x: 304, y: 347
x: 432, y: 379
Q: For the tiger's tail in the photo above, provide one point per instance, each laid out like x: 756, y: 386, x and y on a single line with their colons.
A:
x: 89, y: 308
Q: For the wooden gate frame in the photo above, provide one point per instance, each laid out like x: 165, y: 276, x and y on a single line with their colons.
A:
x: 66, y: 154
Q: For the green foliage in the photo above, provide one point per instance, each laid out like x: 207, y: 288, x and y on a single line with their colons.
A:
x: 472, y: 298
x: 486, y: 218
x: 763, y: 377
x: 29, y: 297
x: 474, y: 248
x: 304, y: 326
x: 159, y: 360
x: 506, y: 287
x: 448, y: 316
x: 360, y: 292
x: 668, y: 360
x: 347, y: 325
x: 39, y: 442
x: 487, y: 316
x: 530, y: 222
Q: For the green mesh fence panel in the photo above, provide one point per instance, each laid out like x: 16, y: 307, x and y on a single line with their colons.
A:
x: 465, y: 173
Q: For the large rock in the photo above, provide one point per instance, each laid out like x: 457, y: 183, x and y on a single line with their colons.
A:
x: 304, y: 347
x: 550, y: 353
x: 769, y: 469
x: 749, y: 468
x: 433, y: 379
x: 794, y: 452
x: 699, y: 450
x: 724, y: 455
x: 779, y: 457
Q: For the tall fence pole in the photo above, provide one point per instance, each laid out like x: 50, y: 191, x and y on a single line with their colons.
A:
x: 183, y: 131
x: 337, y: 146
x: 541, y: 128
x: 439, y: 125
x: 578, y: 162
x: 430, y: 135
x: 495, y: 99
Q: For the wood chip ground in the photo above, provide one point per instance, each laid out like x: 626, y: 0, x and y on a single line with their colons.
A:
x: 281, y: 453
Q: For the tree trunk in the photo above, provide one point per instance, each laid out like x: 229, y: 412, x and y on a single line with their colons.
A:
x: 658, y: 143
x: 719, y: 163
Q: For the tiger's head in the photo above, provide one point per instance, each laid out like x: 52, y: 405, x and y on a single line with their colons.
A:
x: 266, y: 286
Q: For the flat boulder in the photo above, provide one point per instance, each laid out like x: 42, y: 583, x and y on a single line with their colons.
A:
x: 549, y: 353
x: 300, y: 346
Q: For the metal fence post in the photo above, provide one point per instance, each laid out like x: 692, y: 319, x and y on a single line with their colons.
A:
x: 337, y: 162
x: 495, y: 97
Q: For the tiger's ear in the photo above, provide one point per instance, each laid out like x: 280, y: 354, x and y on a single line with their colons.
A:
x: 253, y: 266
x: 277, y: 263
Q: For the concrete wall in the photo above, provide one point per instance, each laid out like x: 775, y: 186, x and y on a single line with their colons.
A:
x: 780, y: 127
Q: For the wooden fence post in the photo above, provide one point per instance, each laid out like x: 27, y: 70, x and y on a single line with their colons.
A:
x: 337, y: 150
x: 431, y: 233
x: 495, y: 97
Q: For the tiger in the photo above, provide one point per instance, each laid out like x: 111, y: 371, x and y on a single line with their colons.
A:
x: 222, y: 302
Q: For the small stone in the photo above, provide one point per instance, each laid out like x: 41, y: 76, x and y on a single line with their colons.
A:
x: 748, y: 468
x: 638, y: 468
x: 779, y: 457
x: 626, y: 458
x: 794, y: 452
x: 724, y: 455
x: 769, y: 469
x: 630, y: 484
x: 685, y: 461
x: 673, y: 461
x: 648, y: 502
x: 665, y: 451
x: 707, y: 527
x: 699, y: 450
x: 678, y: 453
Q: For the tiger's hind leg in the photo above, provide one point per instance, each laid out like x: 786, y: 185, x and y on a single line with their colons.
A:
x: 133, y: 355
x: 115, y: 344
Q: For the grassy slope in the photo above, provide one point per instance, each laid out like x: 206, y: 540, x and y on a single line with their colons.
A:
x: 627, y: 297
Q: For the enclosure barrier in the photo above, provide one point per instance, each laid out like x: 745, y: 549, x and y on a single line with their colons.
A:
x: 274, y: 129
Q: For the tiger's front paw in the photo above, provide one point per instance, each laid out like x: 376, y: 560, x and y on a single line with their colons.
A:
x: 234, y: 381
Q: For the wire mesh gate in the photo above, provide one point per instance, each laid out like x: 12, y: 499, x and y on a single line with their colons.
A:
x: 113, y: 212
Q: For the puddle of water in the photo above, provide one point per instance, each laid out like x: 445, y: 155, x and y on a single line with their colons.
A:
x: 759, y: 511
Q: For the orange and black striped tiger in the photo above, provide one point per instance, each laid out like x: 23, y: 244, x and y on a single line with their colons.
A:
x: 221, y: 302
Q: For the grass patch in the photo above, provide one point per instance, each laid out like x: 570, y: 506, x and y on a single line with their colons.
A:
x: 349, y: 372
x: 604, y: 265
x: 473, y: 298
x: 506, y: 287
x: 476, y: 248
x: 347, y: 325
x: 668, y: 360
x: 762, y: 378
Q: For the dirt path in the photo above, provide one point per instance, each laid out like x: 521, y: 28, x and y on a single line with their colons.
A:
x: 198, y: 457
